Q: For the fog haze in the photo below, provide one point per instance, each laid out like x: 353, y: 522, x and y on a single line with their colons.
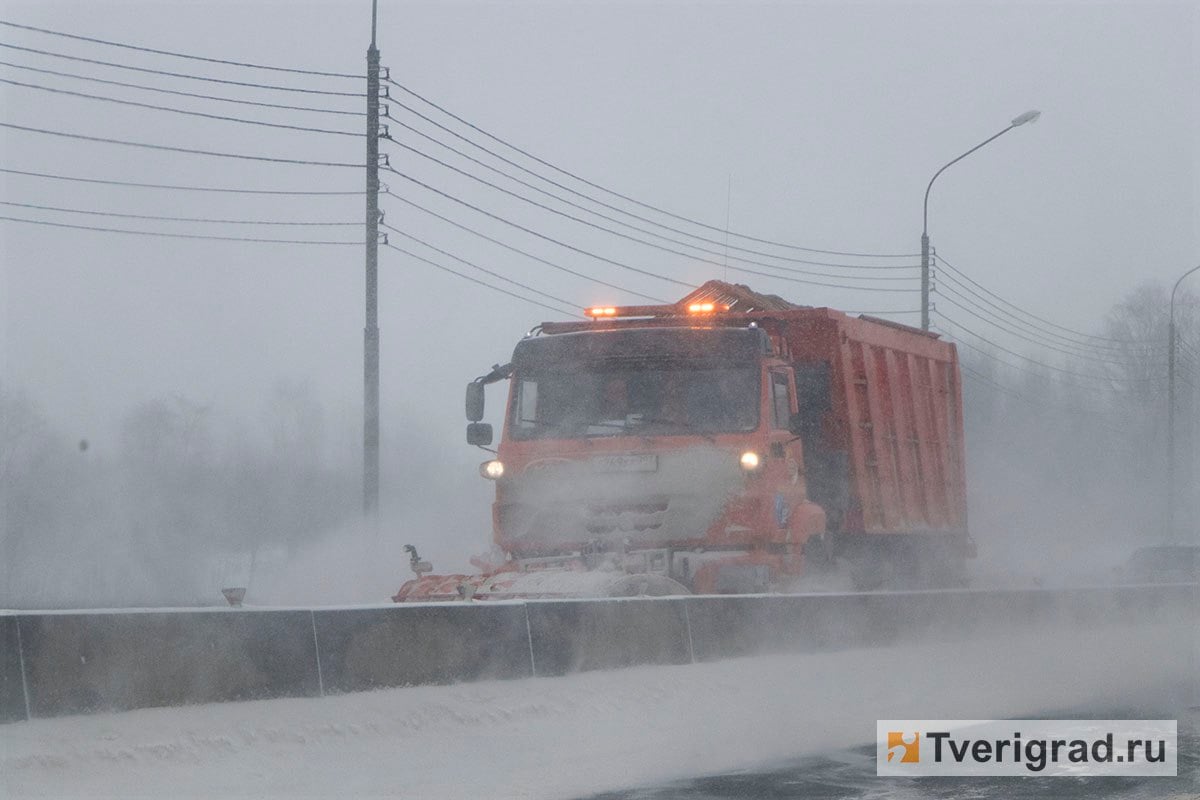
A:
x: 813, y: 124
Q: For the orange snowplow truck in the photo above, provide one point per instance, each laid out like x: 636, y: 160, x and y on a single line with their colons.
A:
x: 730, y: 443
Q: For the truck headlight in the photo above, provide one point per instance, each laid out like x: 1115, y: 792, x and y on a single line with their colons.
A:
x: 492, y: 470
x: 750, y: 461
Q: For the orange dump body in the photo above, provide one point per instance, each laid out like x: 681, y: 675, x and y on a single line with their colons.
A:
x: 895, y: 410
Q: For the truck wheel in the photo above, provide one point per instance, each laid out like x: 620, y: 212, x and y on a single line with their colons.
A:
x: 950, y: 572
x: 869, y: 574
x: 818, y: 554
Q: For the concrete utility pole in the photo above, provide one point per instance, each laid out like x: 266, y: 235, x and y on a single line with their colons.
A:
x: 1028, y: 116
x: 371, y: 331
x: 1172, y: 343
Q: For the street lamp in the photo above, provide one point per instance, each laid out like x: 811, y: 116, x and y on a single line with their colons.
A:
x: 1028, y: 116
x: 1171, y: 344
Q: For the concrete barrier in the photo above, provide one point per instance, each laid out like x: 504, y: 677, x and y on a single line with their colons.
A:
x: 729, y: 627
x: 1126, y: 603
x: 373, y: 648
x: 88, y: 662
x: 12, y: 690
x: 70, y: 663
x: 571, y: 635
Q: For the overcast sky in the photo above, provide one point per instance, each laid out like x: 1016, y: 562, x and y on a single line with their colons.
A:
x: 813, y: 124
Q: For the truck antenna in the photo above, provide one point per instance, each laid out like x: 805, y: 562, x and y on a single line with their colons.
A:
x: 728, y: 199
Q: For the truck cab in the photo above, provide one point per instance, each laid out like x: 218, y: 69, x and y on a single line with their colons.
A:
x: 671, y: 449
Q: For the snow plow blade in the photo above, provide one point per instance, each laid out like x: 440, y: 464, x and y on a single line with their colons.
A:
x: 537, y: 585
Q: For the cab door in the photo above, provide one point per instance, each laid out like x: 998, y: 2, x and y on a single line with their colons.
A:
x: 785, y: 457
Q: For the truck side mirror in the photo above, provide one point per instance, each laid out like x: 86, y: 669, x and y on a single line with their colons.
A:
x: 474, y: 401
x: 479, y: 433
x: 796, y: 424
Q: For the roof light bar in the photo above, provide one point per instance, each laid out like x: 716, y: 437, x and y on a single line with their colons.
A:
x: 608, y: 312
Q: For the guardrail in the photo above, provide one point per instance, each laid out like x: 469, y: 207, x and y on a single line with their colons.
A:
x: 58, y: 663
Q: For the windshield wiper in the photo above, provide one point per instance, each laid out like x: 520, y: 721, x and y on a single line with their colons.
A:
x: 539, y: 422
x: 574, y: 427
x: 621, y: 426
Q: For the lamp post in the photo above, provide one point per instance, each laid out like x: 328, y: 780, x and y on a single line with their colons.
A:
x: 1028, y: 116
x: 1171, y: 345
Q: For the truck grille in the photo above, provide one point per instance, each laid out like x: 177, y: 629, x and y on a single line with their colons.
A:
x: 586, y: 520
x: 576, y: 503
x: 626, y: 517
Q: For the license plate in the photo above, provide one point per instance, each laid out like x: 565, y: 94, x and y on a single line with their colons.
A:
x: 642, y: 462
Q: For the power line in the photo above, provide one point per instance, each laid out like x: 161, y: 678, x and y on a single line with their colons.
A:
x: 1185, y: 347
x: 559, y: 267
x: 517, y: 250
x: 181, y: 149
x: 273, y: 87
x: 443, y: 268
x: 1002, y: 313
x: 144, y: 87
x: 997, y: 359
x: 965, y: 277
x: 178, y: 219
x: 614, y: 193
x: 1067, y: 340
x: 634, y: 238
x: 888, y: 311
x: 979, y: 377
x: 484, y: 270
x: 174, y: 187
x: 181, y: 55
x: 542, y: 236
x: 963, y: 304
x: 175, y: 235
x: 644, y: 230
x: 1186, y: 355
x: 582, y: 221
x: 960, y: 326
x: 609, y: 206
x: 153, y: 107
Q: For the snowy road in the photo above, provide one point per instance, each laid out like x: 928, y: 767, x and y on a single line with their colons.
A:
x: 590, y: 732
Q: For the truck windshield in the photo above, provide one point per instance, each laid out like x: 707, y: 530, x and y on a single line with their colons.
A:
x: 659, y: 400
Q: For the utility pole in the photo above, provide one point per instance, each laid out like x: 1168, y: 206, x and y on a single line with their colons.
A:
x: 1172, y: 343
x: 371, y: 331
x: 925, y: 271
x: 1171, y: 423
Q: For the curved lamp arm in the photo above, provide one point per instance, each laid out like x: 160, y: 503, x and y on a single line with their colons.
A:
x: 1175, y: 288
x: 1028, y: 116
